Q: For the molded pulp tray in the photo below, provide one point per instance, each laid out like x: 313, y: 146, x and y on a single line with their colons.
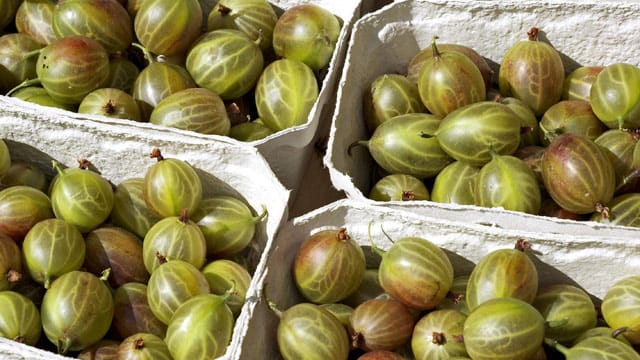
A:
x: 287, y: 151
x: 120, y: 151
x: 590, y: 262
x: 585, y: 32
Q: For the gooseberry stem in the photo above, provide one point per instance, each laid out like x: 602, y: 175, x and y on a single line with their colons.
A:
x: 63, y: 345
x: 522, y: 245
x: 533, y: 34
x: 424, y: 135
x: 272, y: 305
x: 617, y: 332
x: 22, y: 85
x: 556, y: 323
x: 342, y: 234
x: 374, y: 247
x: 258, y: 39
x: 184, y: 216
x: 145, y: 51
x: 13, y: 276
x: 138, y: 343
x: 56, y: 165
x: 602, y: 210
x: 437, y: 338
x: 156, y: 154
x: 223, y: 10
x: 364, y: 143
x: 408, y: 195
x: 83, y: 164
x: 31, y: 53
x: 161, y: 258
x: 556, y: 345
x: 387, y: 235
x: 436, y: 52
x: 633, y: 175
x: 262, y: 216
x: 231, y: 291
x: 104, y: 276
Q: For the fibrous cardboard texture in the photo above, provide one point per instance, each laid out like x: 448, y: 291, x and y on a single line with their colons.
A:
x: 121, y: 151
x: 584, y: 32
x: 590, y: 262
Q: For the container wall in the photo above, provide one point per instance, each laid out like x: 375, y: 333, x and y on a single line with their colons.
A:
x: 590, y: 262
x: 120, y: 152
x: 586, y: 33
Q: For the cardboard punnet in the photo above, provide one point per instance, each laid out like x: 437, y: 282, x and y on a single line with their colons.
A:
x: 286, y: 151
x: 590, y: 262
x: 584, y: 32
x: 121, y: 150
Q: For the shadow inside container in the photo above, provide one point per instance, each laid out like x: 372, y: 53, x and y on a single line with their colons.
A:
x: 549, y: 275
x: 21, y: 152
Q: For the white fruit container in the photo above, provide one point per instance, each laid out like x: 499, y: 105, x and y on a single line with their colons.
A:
x: 591, y: 262
x: 286, y: 151
x: 585, y: 32
x: 121, y: 150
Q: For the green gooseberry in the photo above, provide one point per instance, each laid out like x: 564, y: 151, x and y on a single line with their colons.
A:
x: 34, y: 18
x: 224, y: 275
x: 51, y: 248
x: 171, y: 284
x: 130, y: 211
x: 132, y: 313
x: 228, y: 224
x: 81, y: 197
x: 307, y: 33
x: 71, y: 67
x: 75, y: 317
x: 285, y: 94
x: 19, y: 318
x: 105, y: 21
x: 170, y: 186
x: 200, y: 328
x: 112, y: 103
x: 10, y: 262
x: 174, y: 238
x: 226, y: 62
x: 143, y: 346
x: 21, y: 207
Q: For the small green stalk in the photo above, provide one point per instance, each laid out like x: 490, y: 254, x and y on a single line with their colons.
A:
x: 632, y: 176
x: 147, y: 54
x: 272, y: 305
x: 556, y: 345
x: 556, y: 323
x: 56, y: 165
x: 32, y: 53
x: 374, y: 247
x: 230, y: 292
x: 47, y: 281
x: 364, y: 143
x: 262, y: 215
x: 22, y: 85
x: 63, y: 345
x: 104, y: 276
